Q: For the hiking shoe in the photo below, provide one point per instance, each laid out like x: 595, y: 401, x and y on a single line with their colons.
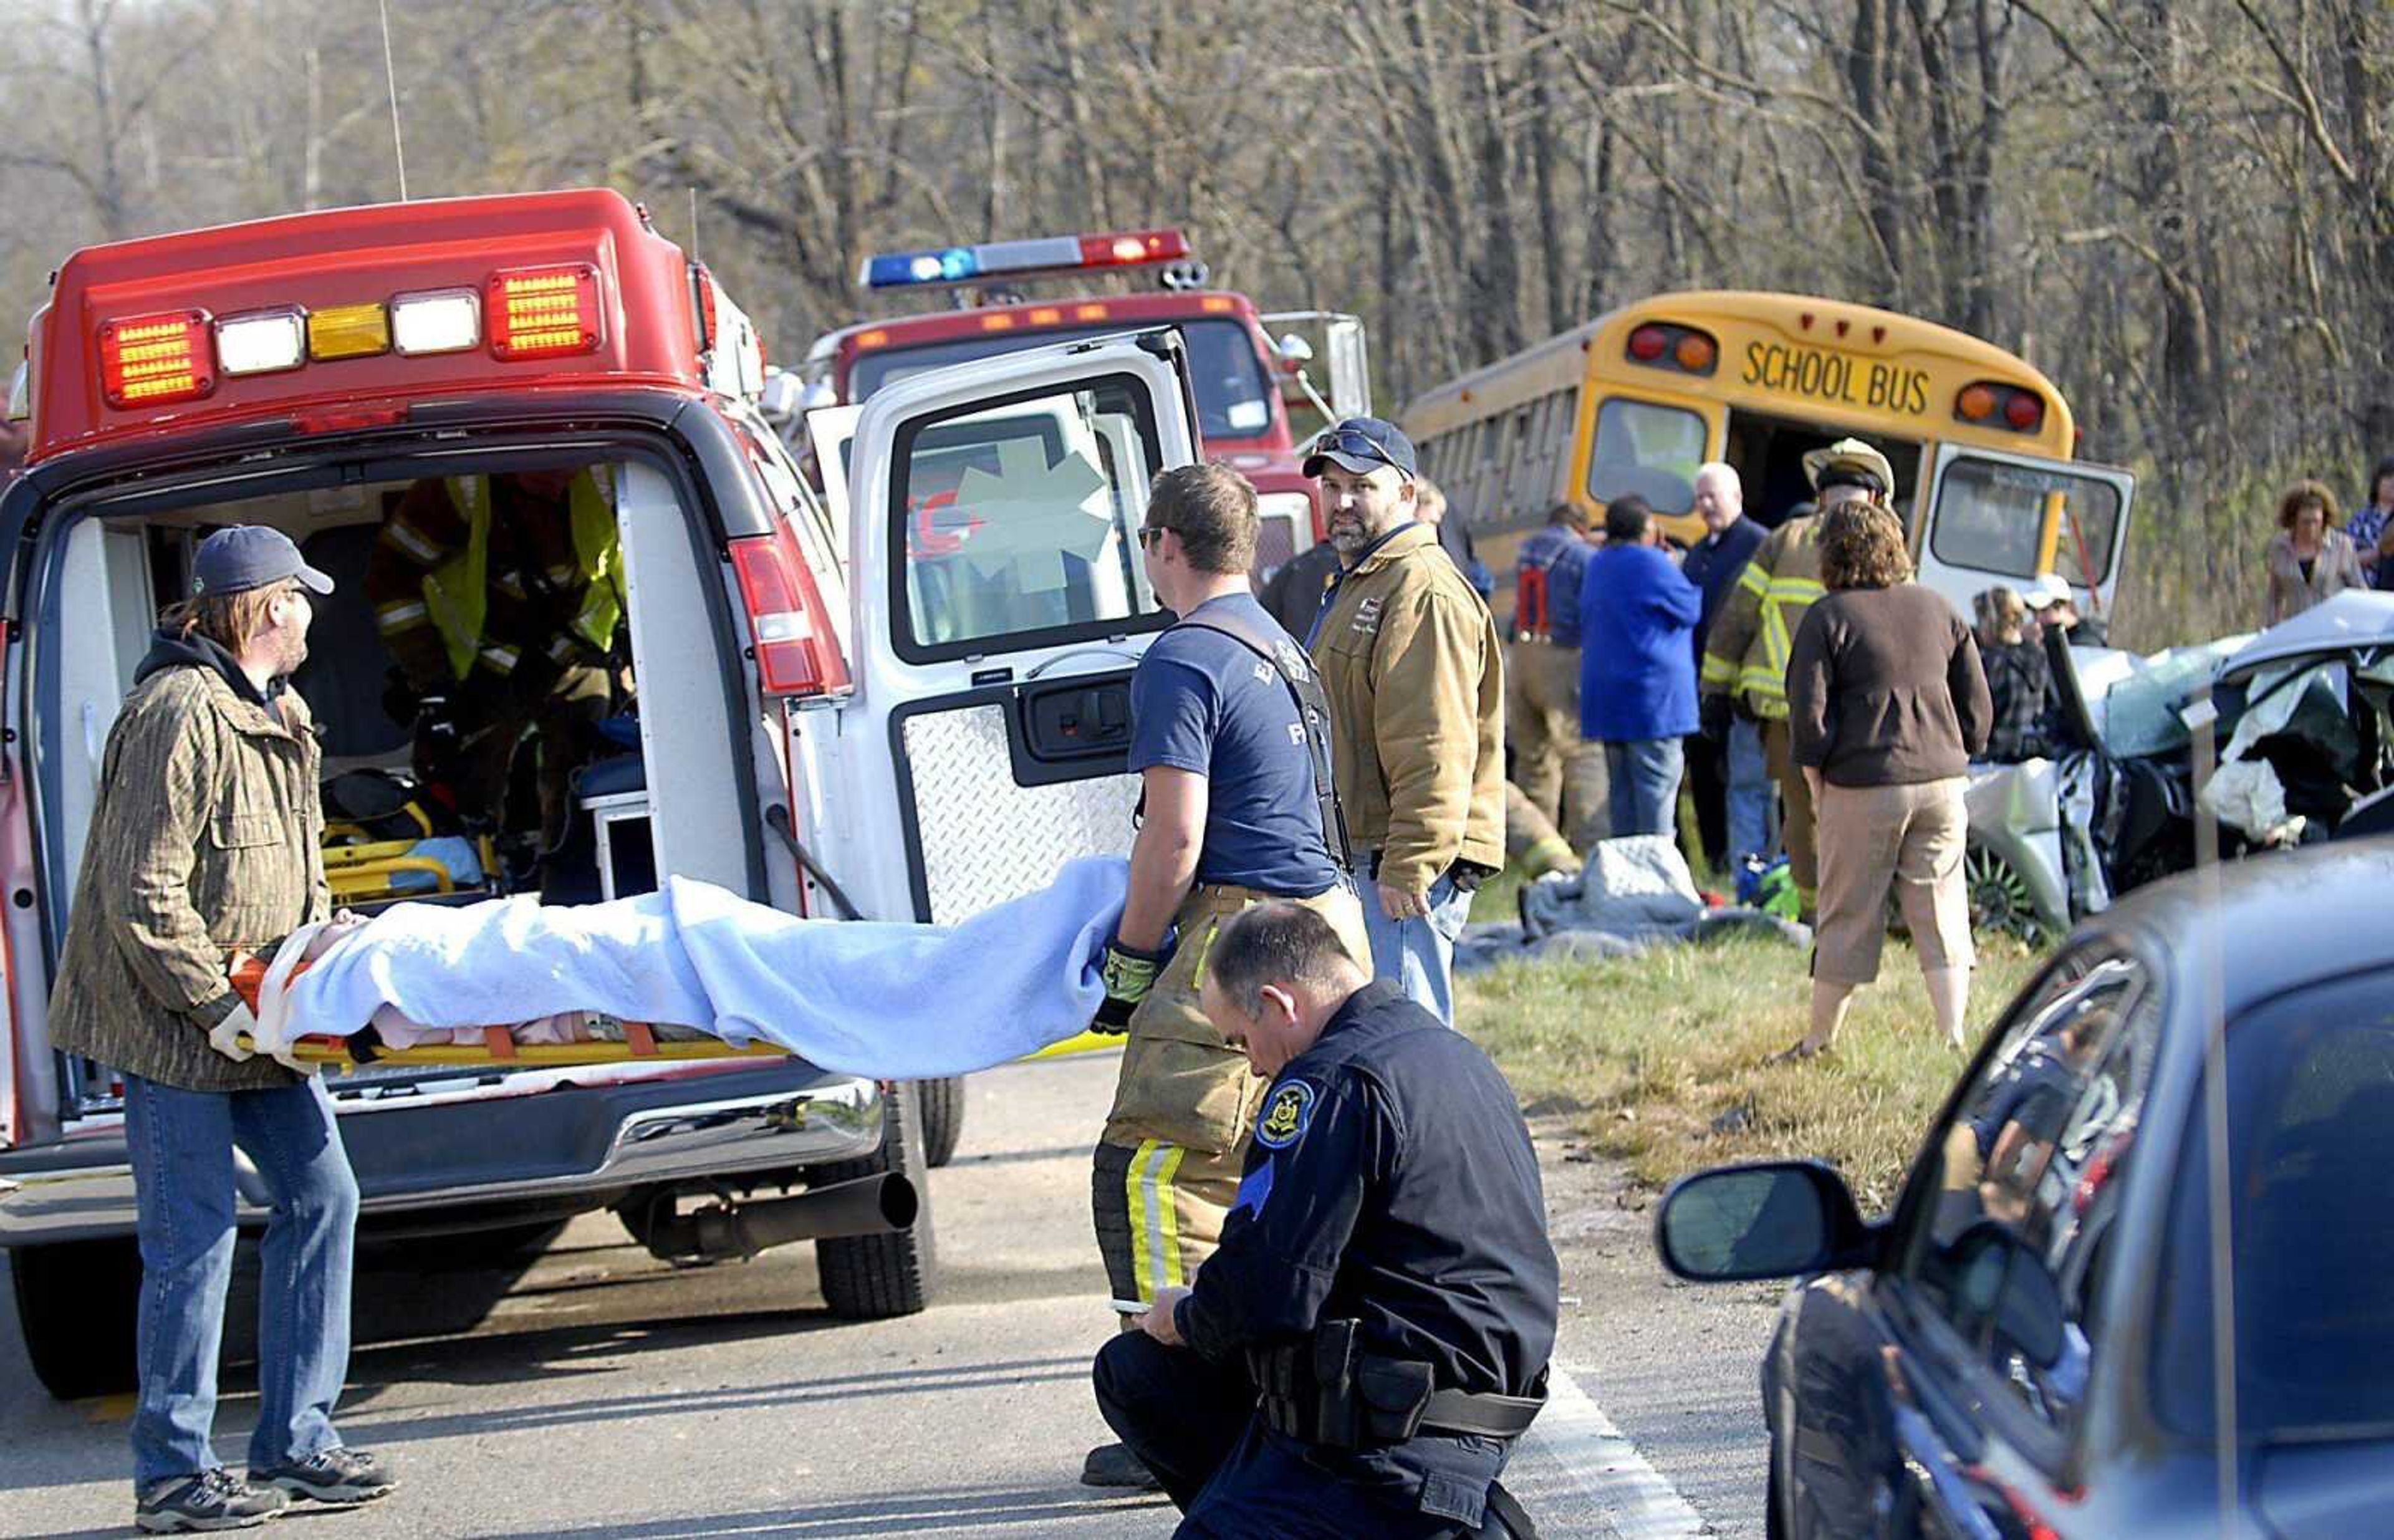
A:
x: 336, y: 1476
x: 211, y: 1500
x: 1114, y: 1465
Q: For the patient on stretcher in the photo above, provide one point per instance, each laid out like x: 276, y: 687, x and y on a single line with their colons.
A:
x: 395, y: 1031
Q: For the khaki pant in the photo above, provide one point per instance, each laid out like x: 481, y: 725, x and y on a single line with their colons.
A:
x: 1167, y: 1167
x: 1908, y: 839
x: 1796, y: 800
x: 1561, y: 773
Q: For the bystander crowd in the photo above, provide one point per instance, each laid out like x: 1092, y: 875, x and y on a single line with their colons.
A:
x: 2308, y: 560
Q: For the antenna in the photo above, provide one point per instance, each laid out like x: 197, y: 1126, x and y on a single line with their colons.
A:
x: 390, y: 81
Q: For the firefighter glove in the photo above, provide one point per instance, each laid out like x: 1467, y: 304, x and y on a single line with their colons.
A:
x: 1128, y: 974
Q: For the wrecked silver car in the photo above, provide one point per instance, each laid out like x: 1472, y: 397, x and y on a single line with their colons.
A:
x: 2298, y: 720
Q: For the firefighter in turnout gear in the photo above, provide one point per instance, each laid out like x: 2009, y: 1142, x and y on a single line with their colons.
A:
x: 498, y: 599
x: 1229, y: 736
x: 1745, y: 653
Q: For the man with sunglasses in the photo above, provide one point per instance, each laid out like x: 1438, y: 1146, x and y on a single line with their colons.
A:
x: 1414, y: 672
x: 1230, y: 737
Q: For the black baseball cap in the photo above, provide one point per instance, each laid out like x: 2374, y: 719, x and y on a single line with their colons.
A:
x: 1362, y: 445
x: 250, y: 556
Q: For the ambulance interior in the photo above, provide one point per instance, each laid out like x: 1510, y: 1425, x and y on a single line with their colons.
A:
x: 406, y: 818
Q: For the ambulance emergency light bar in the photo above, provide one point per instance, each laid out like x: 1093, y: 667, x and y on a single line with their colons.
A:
x: 172, y: 356
x: 1055, y: 254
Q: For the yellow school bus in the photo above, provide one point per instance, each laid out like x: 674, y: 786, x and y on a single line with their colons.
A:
x: 1636, y: 400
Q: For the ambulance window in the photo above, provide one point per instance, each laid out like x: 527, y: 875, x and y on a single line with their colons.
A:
x: 1019, y: 521
x: 1991, y: 515
x: 1649, y: 448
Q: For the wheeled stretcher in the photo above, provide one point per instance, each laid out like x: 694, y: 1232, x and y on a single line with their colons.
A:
x: 612, y: 1042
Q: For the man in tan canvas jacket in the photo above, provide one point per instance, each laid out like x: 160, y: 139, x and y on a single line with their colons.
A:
x: 205, y: 842
x: 1414, y: 672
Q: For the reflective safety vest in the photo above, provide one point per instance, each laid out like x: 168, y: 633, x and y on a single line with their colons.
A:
x: 1746, y: 653
x: 456, y: 592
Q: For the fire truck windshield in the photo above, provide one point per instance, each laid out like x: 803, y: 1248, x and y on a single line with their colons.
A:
x: 1232, y: 402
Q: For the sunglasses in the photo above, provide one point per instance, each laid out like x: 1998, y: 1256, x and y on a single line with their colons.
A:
x: 1344, y: 439
x: 1148, y: 534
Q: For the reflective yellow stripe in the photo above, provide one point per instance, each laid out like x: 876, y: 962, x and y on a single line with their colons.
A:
x: 1802, y: 589
x: 504, y: 658
x: 1750, y: 578
x: 1155, y: 1228
x: 563, y: 649
x: 1717, y: 670
x: 407, y: 537
x: 401, y: 616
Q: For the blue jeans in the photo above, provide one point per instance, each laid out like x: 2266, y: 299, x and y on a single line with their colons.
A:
x: 1417, y: 955
x: 1645, y: 777
x: 181, y: 1144
x: 1749, y: 792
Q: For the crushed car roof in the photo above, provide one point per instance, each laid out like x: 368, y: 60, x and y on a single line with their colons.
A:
x: 2357, y: 617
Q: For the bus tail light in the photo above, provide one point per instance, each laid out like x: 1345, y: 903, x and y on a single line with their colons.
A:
x: 1664, y: 345
x: 796, y: 639
x: 264, y: 342
x: 154, y: 359
x: 441, y: 321
x: 1991, y: 403
x: 542, y: 312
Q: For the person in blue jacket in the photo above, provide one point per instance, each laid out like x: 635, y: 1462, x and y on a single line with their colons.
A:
x: 1637, y: 670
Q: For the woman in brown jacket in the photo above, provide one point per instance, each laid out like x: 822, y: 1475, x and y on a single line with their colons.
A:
x: 1886, y: 704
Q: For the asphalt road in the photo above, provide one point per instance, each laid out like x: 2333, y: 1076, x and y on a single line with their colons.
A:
x: 587, y: 1390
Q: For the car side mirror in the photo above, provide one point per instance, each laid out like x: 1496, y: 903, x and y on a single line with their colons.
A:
x: 1773, y: 1220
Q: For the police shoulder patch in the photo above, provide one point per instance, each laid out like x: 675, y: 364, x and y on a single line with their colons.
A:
x: 1286, y: 1112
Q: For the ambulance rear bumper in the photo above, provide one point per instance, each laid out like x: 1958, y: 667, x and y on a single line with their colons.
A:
x: 571, y: 1147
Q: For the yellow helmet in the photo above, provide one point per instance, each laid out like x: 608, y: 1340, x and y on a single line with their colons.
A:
x: 1849, y: 456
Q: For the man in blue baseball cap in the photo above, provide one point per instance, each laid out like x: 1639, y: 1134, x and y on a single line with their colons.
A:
x: 205, y: 844
x: 1414, y: 671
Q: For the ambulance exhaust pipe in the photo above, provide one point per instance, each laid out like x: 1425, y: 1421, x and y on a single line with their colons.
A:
x: 881, y: 1204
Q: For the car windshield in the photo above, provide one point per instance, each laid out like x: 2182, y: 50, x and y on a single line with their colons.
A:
x: 1232, y: 391
x: 2310, y: 1094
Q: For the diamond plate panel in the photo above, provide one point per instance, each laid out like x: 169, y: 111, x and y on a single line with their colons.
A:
x: 986, y: 840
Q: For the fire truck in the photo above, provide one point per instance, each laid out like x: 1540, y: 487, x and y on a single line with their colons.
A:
x: 1243, y: 362
x: 906, y: 710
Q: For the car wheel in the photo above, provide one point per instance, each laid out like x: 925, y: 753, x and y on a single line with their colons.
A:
x: 2000, y: 898
x: 77, y: 1302
x: 873, y: 1277
x: 943, y: 1118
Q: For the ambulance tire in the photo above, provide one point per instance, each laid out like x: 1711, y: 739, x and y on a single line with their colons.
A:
x: 943, y: 1118
x: 77, y: 1302
x: 874, y: 1277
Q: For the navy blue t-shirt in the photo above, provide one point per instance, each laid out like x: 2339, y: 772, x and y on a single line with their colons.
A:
x: 1205, y: 702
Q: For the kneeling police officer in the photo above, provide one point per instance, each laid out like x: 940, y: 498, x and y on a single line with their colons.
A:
x: 1372, y: 1335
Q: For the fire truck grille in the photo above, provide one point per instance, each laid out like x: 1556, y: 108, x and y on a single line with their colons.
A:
x: 986, y: 840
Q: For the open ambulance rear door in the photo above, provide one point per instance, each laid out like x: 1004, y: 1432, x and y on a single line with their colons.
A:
x: 1000, y: 603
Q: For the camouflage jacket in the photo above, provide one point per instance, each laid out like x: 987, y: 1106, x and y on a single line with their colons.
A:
x: 206, y: 840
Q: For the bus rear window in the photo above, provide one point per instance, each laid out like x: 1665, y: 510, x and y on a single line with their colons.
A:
x: 1990, y: 516
x: 1649, y: 448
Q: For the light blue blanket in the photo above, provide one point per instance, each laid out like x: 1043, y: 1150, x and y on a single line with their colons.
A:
x: 897, y: 1002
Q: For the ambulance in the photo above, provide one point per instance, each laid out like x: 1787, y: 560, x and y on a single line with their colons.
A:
x: 908, y: 706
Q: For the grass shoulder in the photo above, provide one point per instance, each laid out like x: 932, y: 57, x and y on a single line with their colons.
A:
x: 1661, y: 1057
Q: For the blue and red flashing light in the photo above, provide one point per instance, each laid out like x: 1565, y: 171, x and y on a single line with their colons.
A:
x: 1129, y: 248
